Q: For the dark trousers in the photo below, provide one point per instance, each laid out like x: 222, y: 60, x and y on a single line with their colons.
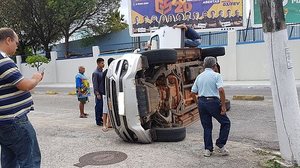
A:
x: 19, y: 145
x: 208, y: 108
x: 99, y: 111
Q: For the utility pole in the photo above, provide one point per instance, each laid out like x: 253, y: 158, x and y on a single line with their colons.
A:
x: 282, y: 79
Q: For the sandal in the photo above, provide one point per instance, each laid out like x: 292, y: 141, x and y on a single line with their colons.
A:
x: 82, y: 116
x: 104, y: 129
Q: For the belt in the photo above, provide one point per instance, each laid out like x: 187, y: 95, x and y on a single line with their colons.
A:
x: 208, y: 97
x: 21, y: 118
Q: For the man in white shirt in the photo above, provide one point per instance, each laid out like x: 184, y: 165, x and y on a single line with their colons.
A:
x: 211, y: 103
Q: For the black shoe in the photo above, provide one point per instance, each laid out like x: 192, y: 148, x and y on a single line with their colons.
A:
x: 100, y: 124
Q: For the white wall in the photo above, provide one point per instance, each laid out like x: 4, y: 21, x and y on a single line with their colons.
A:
x: 295, y: 53
x: 67, y: 69
x: 252, y: 62
x: 64, y: 71
x: 228, y: 62
x: 49, y: 77
x: 248, y: 62
x: 242, y: 62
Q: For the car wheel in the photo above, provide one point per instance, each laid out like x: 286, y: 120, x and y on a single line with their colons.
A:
x: 219, y: 68
x: 173, y: 134
x: 161, y: 56
x: 213, y: 52
x: 227, y: 104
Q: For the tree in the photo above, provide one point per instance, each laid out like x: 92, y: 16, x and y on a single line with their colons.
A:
x: 9, y: 17
x: 43, y: 23
x: 36, y: 61
x: 33, y: 20
x: 78, y: 15
x: 115, y: 22
x: 40, y: 23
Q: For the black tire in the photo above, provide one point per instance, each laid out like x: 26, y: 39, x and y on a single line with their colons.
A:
x: 219, y: 68
x: 227, y: 104
x: 173, y: 134
x: 160, y: 56
x: 213, y: 52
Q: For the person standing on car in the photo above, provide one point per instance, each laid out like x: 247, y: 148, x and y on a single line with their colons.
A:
x: 19, y: 145
x: 99, y: 87
x: 106, y: 119
x: 211, y: 103
x: 82, y: 90
x: 193, y: 39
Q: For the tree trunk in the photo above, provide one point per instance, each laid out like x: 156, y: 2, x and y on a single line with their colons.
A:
x: 284, y: 92
x: 47, y: 50
x: 272, y: 15
x: 67, y: 52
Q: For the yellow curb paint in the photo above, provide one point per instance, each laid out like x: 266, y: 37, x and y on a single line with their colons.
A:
x: 248, y: 97
x: 72, y: 93
x: 51, y: 92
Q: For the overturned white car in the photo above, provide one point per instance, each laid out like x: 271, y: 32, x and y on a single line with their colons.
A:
x: 150, y: 93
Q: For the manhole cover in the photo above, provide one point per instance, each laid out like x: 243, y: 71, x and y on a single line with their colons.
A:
x: 101, y: 158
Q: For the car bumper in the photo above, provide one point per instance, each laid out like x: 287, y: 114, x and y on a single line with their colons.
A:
x: 122, y: 99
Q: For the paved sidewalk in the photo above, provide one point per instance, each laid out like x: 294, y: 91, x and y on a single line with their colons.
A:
x: 64, y: 137
x: 226, y: 83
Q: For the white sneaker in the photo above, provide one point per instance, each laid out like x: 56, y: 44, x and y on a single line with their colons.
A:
x: 207, y: 153
x: 223, y: 151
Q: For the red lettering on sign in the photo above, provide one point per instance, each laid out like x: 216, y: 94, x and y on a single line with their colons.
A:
x: 183, y: 6
x: 163, y: 6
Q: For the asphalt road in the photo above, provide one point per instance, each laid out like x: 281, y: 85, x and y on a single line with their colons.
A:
x: 64, y: 137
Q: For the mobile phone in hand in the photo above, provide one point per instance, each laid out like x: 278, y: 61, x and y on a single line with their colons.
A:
x: 42, y: 70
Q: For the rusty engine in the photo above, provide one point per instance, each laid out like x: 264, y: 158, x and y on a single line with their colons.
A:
x: 164, y: 92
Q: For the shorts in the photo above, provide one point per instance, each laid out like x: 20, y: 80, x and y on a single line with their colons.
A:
x: 105, y: 107
x: 83, y: 99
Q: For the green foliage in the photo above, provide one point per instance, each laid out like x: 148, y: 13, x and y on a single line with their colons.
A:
x: 79, y: 15
x: 40, y: 23
x: 272, y: 164
x: 114, y: 23
x: 36, y: 61
x: 33, y: 20
x: 24, y: 50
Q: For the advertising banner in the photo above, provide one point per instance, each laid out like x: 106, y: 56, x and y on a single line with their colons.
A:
x: 148, y: 15
x: 291, y: 10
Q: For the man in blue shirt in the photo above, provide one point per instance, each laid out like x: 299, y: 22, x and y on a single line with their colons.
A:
x: 211, y: 103
x: 193, y: 39
x: 99, y: 90
x: 82, y: 90
x: 19, y: 145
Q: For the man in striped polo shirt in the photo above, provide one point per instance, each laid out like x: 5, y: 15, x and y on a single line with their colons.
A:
x: 19, y: 146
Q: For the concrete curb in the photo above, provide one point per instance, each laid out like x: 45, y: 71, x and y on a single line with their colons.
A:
x: 248, y: 97
x: 227, y: 83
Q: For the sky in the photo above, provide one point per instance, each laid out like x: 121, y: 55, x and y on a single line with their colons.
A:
x: 124, y: 8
